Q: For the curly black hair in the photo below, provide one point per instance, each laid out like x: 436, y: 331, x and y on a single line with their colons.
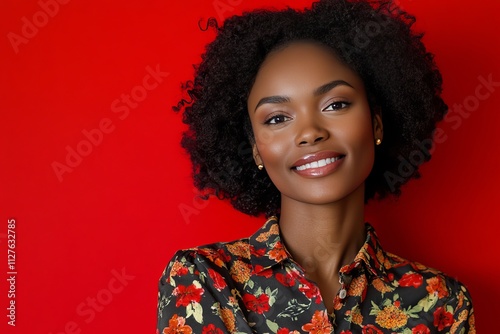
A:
x: 374, y: 38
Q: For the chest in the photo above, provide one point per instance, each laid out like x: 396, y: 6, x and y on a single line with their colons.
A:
x: 286, y: 301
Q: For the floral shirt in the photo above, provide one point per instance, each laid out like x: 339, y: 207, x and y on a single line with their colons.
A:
x: 253, y: 286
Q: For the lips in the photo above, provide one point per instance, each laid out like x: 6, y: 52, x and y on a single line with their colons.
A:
x: 318, y: 164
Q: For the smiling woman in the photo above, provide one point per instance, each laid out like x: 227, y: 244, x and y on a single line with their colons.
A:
x: 326, y: 114
x: 319, y: 115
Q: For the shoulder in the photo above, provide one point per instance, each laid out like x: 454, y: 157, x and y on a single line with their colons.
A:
x: 437, y: 290
x: 197, y: 289
x: 207, y: 258
x: 439, y: 300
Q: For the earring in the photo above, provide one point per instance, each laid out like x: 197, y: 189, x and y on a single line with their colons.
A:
x: 260, y: 166
x: 378, y: 141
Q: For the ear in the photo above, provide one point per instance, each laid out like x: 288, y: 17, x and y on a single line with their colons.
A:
x: 256, y: 155
x: 378, y: 127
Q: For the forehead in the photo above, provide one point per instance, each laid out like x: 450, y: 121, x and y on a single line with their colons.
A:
x: 300, y: 65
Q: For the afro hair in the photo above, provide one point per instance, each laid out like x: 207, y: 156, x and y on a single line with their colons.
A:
x: 374, y: 38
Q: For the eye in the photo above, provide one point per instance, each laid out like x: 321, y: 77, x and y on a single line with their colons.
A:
x: 338, y: 105
x: 277, y: 119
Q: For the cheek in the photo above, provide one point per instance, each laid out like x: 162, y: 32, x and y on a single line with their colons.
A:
x: 264, y: 137
x: 365, y: 147
x: 359, y: 135
x: 272, y: 148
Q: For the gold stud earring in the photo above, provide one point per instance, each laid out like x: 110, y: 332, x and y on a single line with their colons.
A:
x: 378, y: 141
x: 260, y: 166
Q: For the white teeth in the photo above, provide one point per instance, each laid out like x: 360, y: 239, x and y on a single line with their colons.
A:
x: 319, y: 163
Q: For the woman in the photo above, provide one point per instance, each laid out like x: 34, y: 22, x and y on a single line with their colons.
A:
x: 326, y: 100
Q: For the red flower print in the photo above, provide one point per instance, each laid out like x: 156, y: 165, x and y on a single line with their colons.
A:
x: 260, y: 271
x: 219, y: 282
x: 256, y: 304
x: 286, y: 280
x: 286, y: 331
x: 346, y: 332
x: 319, y: 324
x: 278, y: 252
x: 310, y: 290
x: 211, y: 329
x: 442, y: 318
x: 283, y: 331
x: 411, y: 279
x: 187, y: 294
x: 371, y: 329
x: 217, y: 257
x: 177, y: 325
x: 224, y: 255
x: 257, y: 252
x: 420, y: 329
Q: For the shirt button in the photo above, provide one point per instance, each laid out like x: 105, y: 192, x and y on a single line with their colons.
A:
x: 342, y: 293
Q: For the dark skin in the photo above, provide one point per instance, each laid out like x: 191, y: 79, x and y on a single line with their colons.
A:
x: 315, y: 135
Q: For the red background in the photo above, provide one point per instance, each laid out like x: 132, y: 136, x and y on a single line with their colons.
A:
x: 119, y: 209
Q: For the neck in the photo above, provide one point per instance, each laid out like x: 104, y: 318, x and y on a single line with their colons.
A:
x: 323, y: 238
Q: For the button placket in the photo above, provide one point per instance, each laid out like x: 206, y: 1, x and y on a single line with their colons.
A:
x: 344, y: 281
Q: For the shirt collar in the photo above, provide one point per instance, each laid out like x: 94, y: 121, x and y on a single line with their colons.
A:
x: 268, y: 250
x: 371, y: 255
x: 264, y: 244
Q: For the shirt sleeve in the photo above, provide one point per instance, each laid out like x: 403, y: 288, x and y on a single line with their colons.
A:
x: 194, y: 298
x: 460, y: 306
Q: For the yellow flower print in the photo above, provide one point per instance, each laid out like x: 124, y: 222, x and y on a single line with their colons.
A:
x: 240, y: 271
x: 391, y: 317
x: 472, y: 324
x: 239, y: 248
x: 461, y: 317
x: 381, y: 286
x: 357, y: 286
x: 228, y: 319
x: 274, y: 230
x: 356, y: 316
x: 263, y: 237
x: 460, y: 300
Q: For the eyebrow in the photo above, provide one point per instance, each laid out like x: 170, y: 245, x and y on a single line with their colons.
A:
x: 317, y: 92
x: 329, y: 86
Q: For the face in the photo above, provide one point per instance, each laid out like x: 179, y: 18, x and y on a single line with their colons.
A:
x: 313, y: 129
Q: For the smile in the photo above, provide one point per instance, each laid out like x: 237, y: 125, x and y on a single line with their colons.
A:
x: 318, y: 163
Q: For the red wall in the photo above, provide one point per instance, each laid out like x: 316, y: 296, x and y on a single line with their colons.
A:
x: 93, y: 239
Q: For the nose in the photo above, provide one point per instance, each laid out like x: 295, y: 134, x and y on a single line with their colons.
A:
x: 310, y: 130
